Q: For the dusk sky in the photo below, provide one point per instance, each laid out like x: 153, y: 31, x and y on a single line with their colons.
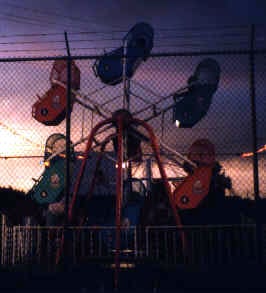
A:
x: 56, y: 15
x: 36, y: 28
x: 111, y: 19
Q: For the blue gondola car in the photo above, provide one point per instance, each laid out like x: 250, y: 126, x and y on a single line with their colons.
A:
x: 138, y: 42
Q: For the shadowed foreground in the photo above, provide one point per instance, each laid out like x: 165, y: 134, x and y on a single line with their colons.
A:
x: 144, y: 278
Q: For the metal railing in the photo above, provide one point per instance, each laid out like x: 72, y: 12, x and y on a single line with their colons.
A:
x: 39, y: 245
x: 205, y: 245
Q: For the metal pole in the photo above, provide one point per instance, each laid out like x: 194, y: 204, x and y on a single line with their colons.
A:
x: 254, y: 113
x: 68, y: 125
x: 148, y: 173
x: 254, y: 142
x: 119, y: 195
x: 68, y: 154
x: 126, y: 82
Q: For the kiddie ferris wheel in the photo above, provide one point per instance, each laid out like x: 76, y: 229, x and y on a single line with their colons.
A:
x: 190, y: 103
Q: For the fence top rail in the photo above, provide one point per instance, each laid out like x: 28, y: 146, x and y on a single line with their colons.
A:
x: 187, y: 227
x: 28, y: 227
x: 167, y: 54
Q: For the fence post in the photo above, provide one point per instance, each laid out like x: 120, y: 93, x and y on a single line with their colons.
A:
x: 68, y: 124
x: 68, y: 154
x: 254, y: 143
x: 253, y: 113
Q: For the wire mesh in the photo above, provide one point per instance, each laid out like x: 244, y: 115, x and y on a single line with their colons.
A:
x: 227, y: 123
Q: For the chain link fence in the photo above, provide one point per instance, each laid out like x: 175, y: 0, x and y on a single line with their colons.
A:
x: 235, y: 124
x: 228, y: 123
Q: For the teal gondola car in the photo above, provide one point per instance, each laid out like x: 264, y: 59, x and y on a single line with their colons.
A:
x: 49, y: 188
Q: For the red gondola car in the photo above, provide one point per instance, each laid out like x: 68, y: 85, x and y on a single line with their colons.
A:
x: 50, y: 109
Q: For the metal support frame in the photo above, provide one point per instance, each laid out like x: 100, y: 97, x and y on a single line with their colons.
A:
x: 120, y: 123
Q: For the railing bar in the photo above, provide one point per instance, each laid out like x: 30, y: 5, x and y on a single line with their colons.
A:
x: 174, y: 247
x: 135, y: 243
x: 82, y: 245
x: 73, y: 232
x: 100, y: 244
x: 91, y: 243
x: 157, y: 249
x: 166, y: 246
x: 147, y: 241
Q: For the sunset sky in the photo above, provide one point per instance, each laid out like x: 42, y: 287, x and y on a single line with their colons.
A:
x: 36, y: 28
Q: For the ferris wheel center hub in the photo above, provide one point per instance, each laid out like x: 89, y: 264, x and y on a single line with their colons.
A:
x: 123, y: 114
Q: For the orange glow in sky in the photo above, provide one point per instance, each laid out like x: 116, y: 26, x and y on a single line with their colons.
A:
x: 250, y: 154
